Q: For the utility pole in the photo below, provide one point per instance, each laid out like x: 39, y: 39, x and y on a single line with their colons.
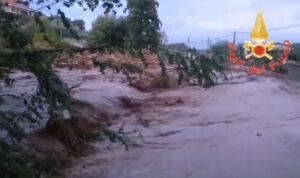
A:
x: 208, y: 44
x: 234, y: 37
x: 208, y: 47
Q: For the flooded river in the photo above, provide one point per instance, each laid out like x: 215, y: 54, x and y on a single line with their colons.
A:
x: 245, y: 129
x: 249, y: 129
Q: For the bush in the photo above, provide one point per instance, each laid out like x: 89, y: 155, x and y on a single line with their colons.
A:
x: 295, y: 54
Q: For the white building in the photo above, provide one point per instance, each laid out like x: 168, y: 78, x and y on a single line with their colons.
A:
x: 15, y: 7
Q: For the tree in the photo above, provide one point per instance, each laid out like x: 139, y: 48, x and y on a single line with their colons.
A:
x: 220, y: 50
x: 108, y: 32
x: 295, y: 53
x: 144, y: 24
x: 79, y: 23
x: 163, y: 38
x: 43, y: 39
x: 76, y: 27
x: 52, y: 95
x: 139, y: 30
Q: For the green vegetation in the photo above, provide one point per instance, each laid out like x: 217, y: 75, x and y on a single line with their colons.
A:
x: 43, y: 36
x: 135, y: 32
x: 66, y: 28
x: 207, y: 69
x: 108, y: 32
x: 79, y: 23
x: 144, y: 25
x: 295, y: 53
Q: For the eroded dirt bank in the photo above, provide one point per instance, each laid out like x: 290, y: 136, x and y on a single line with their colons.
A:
x: 249, y: 129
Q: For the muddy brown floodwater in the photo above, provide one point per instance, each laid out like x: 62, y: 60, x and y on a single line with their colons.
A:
x: 249, y: 129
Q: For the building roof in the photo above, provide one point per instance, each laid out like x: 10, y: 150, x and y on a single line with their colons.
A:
x: 17, y: 4
x: 10, y: 2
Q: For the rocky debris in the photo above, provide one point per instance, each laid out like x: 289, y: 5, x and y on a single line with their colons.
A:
x: 149, y: 76
x: 85, y: 60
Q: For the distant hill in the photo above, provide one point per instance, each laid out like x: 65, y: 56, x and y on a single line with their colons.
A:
x: 178, y: 47
x: 296, y: 45
x: 202, y: 51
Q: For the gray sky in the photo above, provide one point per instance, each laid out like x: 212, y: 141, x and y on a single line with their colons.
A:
x: 200, y: 19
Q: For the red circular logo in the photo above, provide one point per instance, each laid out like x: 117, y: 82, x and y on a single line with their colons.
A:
x: 287, y: 43
x: 259, y: 50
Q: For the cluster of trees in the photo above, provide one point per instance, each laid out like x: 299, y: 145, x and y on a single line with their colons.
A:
x: 295, y: 53
x: 140, y: 29
x: 76, y: 27
x: 108, y: 32
x: 44, y: 36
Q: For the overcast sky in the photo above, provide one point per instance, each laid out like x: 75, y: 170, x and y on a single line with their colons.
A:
x: 200, y: 19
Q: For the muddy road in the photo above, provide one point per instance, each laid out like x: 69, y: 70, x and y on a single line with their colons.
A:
x: 249, y: 129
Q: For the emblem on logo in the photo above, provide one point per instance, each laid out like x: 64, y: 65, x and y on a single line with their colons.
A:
x: 259, y: 48
x: 260, y: 36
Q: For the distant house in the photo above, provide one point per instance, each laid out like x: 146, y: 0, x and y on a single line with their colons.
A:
x: 16, y: 7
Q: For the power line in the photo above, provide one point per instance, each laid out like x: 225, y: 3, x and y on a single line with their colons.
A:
x: 47, y: 6
x: 285, y: 27
x: 275, y: 29
x: 243, y: 32
x: 224, y: 36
